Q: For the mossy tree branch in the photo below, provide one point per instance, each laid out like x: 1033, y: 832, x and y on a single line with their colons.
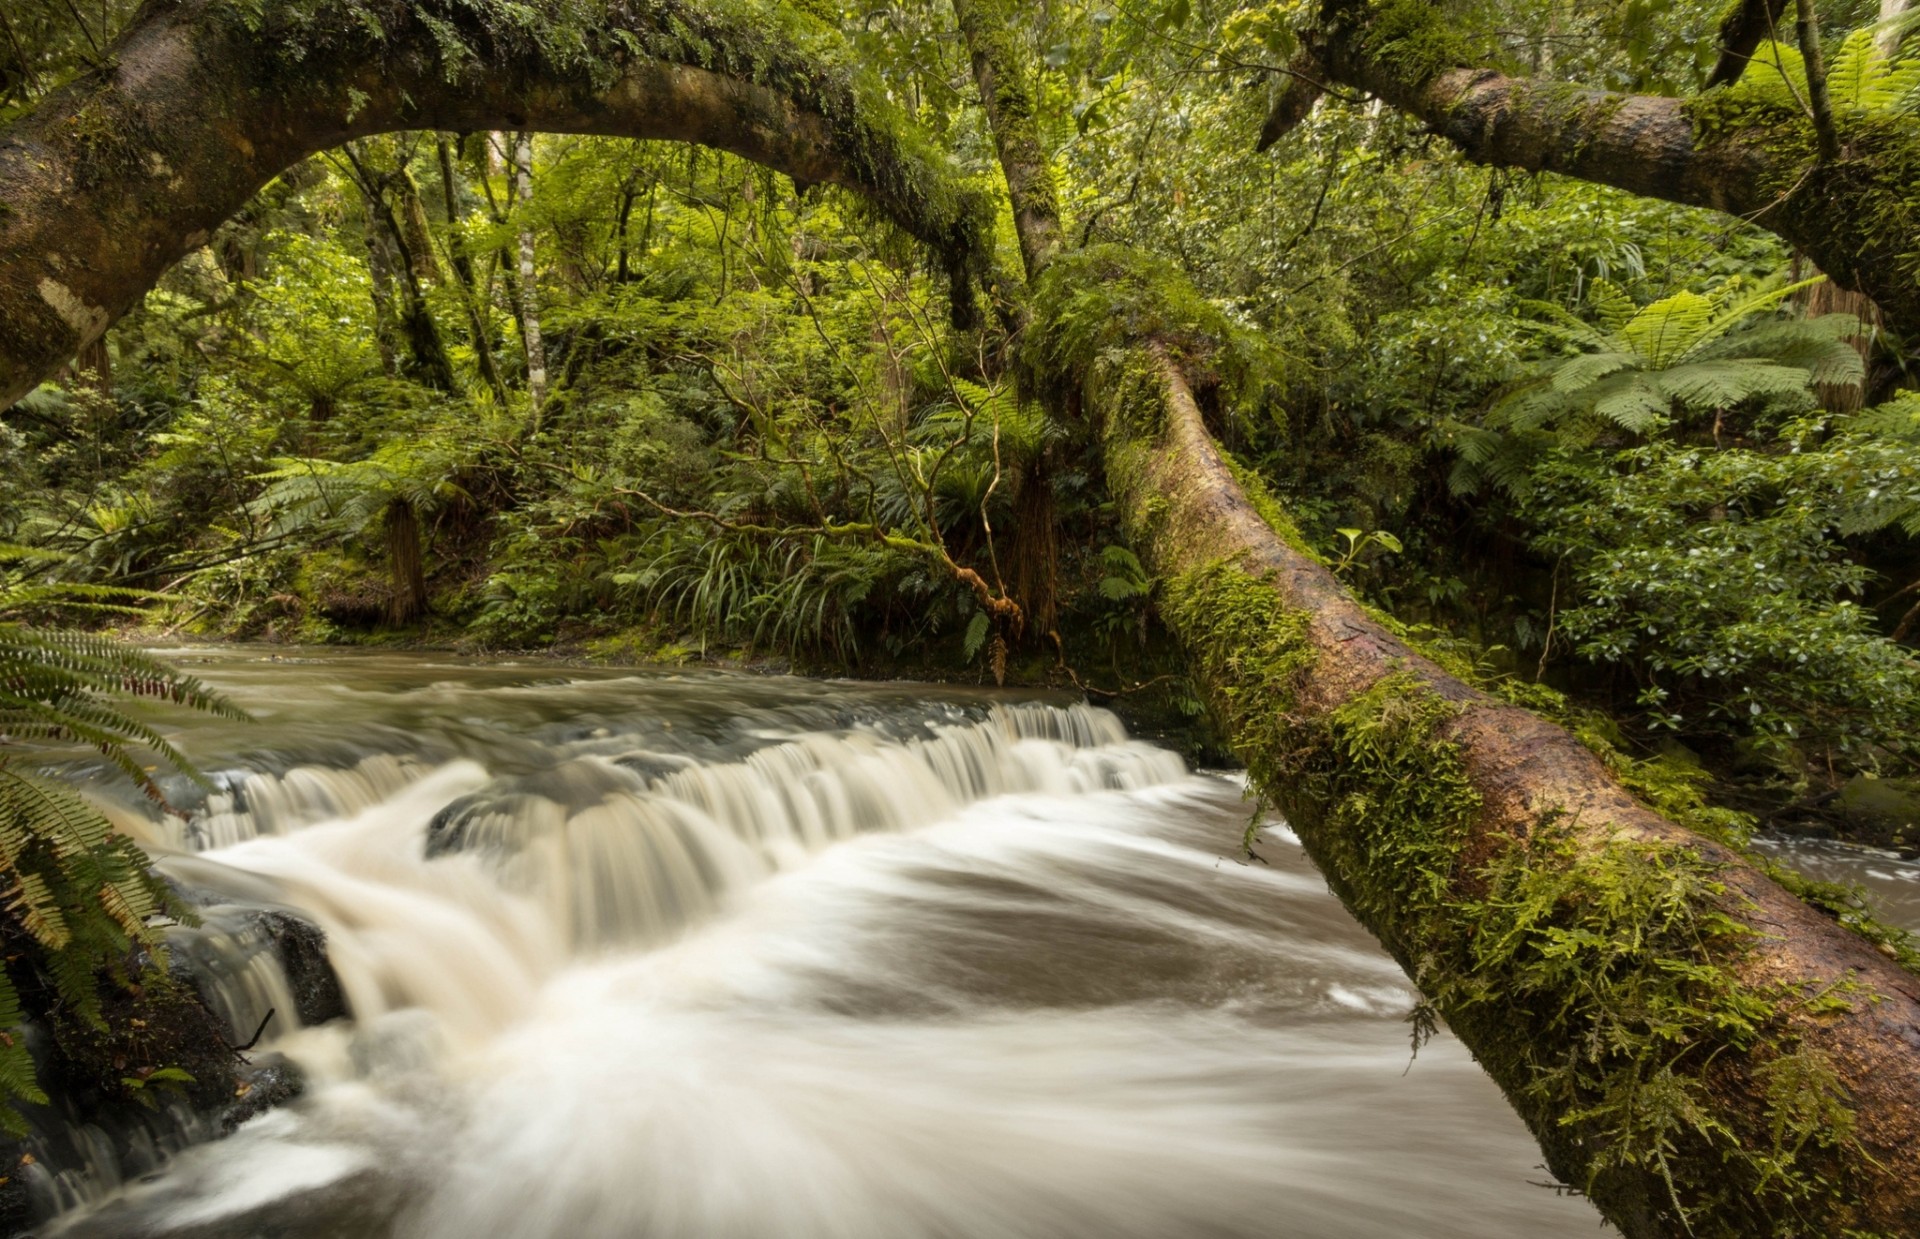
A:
x: 1845, y: 199
x: 118, y: 175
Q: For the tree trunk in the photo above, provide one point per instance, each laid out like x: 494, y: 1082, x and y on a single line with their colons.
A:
x: 115, y: 177
x: 529, y: 286
x: 1698, y: 1048
x: 93, y: 368
x: 462, y: 264
x: 1888, y: 37
x: 404, y: 557
x: 1023, y: 157
x: 1748, y: 24
x: 1857, y: 215
x: 397, y: 251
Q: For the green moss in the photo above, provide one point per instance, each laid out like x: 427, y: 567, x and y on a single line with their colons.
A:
x: 1418, y: 39
x: 1269, y: 508
x: 106, y: 140
x: 1599, y: 978
x: 1858, y: 217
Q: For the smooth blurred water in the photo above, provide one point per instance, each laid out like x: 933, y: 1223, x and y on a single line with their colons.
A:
x: 723, y: 957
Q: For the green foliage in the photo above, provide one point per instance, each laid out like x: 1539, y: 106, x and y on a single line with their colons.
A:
x: 1716, y: 577
x: 80, y: 900
x: 1642, y: 370
x: 1861, y: 78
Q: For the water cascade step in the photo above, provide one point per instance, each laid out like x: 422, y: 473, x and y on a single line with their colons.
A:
x: 705, y: 956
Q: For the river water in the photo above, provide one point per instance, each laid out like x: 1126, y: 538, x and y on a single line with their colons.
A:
x: 713, y: 956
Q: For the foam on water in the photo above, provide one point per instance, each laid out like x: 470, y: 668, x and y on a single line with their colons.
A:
x: 703, y: 960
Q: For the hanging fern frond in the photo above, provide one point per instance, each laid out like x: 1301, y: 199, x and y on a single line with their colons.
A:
x: 80, y: 906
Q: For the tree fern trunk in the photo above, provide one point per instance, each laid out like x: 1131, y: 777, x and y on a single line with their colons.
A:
x: 404, y: 557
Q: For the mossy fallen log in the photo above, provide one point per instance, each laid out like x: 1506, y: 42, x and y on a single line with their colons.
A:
x: 1701, y: 1049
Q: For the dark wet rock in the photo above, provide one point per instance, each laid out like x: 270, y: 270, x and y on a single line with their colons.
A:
x: 267, y: 1081
x: 302, y: 947
x: 231, y: 936
x: 115, y: 1097
x: 362, y: 1206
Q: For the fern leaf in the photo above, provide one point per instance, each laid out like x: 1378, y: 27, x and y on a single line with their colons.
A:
x: 1663, y: 332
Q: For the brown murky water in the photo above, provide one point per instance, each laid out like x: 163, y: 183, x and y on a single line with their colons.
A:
x: 722, y: 957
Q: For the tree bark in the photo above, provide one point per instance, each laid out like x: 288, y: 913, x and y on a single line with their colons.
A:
x: 1749, y: 24
x: 529, y: 287
x: 1856, y: 215
x: 408, y: 564
x: 115, y: 177
x: 1350, y: 729
x: 1001, y: 78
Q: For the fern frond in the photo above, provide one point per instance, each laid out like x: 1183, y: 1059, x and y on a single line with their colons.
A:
x: 1637, y: 404
x: 1662, y: 332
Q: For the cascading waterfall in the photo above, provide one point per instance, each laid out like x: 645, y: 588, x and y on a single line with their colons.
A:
x: 712, y: 956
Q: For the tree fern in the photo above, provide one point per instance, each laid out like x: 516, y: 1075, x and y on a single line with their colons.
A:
x: 1635, y: 372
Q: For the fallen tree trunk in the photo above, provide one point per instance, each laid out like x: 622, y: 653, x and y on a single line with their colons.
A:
x: 123, y: 172
x: 1700, y: 1049
x: 1857, y: 216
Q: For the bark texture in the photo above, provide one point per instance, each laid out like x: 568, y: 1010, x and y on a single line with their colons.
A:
x: 1855, y: 213
x: 1001, y: 79
x: 120, y: 174
x: 1437, y: 810
x: 1748, y: 24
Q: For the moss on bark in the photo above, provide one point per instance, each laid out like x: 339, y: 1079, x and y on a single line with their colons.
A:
x: 1684, y: 1041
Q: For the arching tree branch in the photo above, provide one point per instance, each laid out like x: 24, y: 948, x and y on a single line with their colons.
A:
x: 120, y: 174
x: 1855, y: 214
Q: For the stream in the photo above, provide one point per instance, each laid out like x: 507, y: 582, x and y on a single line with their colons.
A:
x: 719, y: 956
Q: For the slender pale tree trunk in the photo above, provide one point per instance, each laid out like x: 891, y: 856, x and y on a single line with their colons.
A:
x: 1889, y: 36
x: 529, y: 283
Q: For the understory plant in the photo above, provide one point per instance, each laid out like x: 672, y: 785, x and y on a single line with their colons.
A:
x: 83, y: 912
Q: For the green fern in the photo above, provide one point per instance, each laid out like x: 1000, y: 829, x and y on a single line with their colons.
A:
x: 1861, y: 78
x: 79, y: 903
x: 1634, y: 372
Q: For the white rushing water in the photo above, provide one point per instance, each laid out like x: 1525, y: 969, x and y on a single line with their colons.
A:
x: 712, y: 957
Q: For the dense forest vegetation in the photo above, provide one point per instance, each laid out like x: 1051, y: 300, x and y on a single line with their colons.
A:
x: 510, y: 391
x: 1634, y: 463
